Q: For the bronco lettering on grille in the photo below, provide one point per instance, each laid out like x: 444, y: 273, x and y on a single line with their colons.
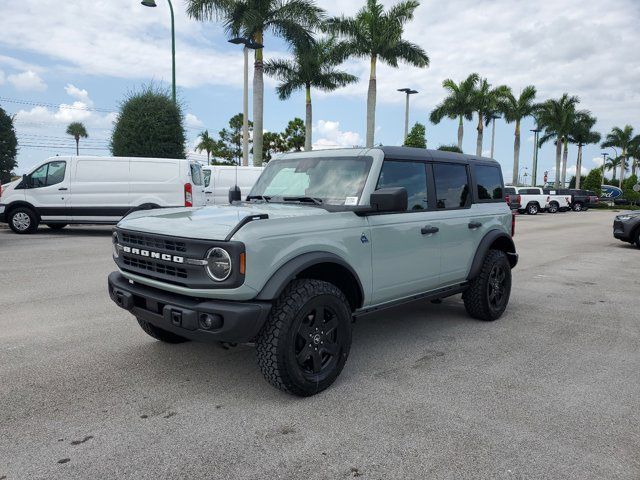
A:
x: 147, y: 253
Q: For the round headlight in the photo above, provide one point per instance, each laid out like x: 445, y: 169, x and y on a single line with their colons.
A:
x: 114, y: 244
x: 218, y: 264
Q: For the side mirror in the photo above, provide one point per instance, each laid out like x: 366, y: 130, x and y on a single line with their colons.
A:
x: 389, y: 200
x: 26, y: 183
x: 235, y: 195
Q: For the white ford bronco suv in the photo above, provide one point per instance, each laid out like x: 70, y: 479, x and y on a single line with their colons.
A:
x: 322, y: 238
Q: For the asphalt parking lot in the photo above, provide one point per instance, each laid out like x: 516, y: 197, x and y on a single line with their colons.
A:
x: 551, y: 390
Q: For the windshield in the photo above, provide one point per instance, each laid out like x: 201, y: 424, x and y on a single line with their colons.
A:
x: 331, y: 180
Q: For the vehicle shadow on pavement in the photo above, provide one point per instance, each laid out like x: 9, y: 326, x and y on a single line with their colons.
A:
x: 410, y: 335
x: 77, y: 232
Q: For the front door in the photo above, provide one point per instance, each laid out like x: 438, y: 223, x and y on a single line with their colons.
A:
x: 49, y: 191
x: 405, y: 245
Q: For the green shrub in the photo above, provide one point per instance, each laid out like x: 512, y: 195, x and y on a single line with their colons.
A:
x: 149, y: 125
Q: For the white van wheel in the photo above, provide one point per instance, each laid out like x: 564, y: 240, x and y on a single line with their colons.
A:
x: 23, y: 220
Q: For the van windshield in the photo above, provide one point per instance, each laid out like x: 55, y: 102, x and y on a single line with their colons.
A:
x: 330, y: 180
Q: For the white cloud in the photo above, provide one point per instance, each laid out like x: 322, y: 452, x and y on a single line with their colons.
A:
x: 77, y: 111
x: 1, y: 77
x: 28, y: 80
x: 80, y: 94
x: 191, y: 121
x: 597, y: 161
x: 332, y: 137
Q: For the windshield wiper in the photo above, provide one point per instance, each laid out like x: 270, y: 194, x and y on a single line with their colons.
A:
x: 316, y: 200
x: 259, y: 197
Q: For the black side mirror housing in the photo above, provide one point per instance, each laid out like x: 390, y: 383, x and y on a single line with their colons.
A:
x: 235, y: 195
x: 25, y: 181
x: 389, y: 200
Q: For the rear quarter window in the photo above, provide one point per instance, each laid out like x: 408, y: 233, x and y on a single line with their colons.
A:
x: 489, y: 183
x: 196, y: 174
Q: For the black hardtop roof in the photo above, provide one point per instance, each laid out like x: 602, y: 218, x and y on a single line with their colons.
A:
x: 411, y: 153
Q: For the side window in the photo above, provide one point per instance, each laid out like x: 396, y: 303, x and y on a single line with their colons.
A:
x: 452, y: 185
x: 489, y: 183
x: 39, y: 177
x: 410, y: 175
x: 207, y: 177
x: 196, y: 173
x: 48, y: 174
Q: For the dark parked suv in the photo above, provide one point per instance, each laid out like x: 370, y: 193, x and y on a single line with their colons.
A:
x: 626, y: 227
x: 512, y: 198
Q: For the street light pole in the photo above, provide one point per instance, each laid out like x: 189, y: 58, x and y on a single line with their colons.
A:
x: 534, y: 169
x: 604, y: 161
x: 407, y: 91
x: 152, y: 3
x: 248, y: 44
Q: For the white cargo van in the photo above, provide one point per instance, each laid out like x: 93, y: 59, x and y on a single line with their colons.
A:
x: 98, y: 190
x: 218, y: 179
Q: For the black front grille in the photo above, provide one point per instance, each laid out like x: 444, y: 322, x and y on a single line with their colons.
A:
x: 153, y: 242
x: 151, y: 266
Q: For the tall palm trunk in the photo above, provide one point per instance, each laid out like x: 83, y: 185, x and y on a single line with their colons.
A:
x: 308, y: 121
x: 493, y: 135
x: 579, y: 165
x: 258, y: 101
x: 623, y: 164
x: 371, y: 103
x: 558, y: 156
x: 77, y: 146
x: 460, y: 132
x: 565, y: 157
x: 480, y: 134
x: 516, y: 153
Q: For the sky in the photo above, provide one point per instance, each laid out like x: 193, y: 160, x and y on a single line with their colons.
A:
x: 76, y: 61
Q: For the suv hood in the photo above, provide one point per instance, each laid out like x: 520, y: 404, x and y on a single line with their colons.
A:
x: 209, y: 223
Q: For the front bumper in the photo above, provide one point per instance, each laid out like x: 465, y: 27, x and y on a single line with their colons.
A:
x: 620, y: 232
x: 2, y: 213
x: 180, y: 314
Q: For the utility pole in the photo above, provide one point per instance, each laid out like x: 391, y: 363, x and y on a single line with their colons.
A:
x: 408, y: 92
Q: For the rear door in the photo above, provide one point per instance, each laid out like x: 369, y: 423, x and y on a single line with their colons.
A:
x: 100, y: 189
x: 455, y: 217
x: 208, y: 176
x: 405, y: 245
x: 197, y: 179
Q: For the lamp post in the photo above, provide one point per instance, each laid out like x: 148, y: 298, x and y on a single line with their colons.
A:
x: 248, y: 44
x: 604, y: 161
x: 534, y: 168
x: 407, y: 91
x: 152, y: 3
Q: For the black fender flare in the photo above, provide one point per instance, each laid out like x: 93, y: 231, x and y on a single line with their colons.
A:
x: 484, y: 246
x: 287, y: 272
x: 20, y: 203
x: 144, y: 206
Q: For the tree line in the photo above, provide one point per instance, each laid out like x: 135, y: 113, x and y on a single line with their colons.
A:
x: 559, y: 121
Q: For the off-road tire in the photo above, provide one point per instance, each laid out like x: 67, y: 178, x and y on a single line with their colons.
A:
x: 533, y: 209
x: 578, y: 207
x: 276, y: 342
x: 476, y: 297
x: 554, y: 207
x: 18, y: 216
x: 56, y: 226
x: 637, y: 237
x: 160, y: 334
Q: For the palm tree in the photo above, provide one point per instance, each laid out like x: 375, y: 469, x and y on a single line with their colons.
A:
x: 376, y: 34
x: 612, y: 164
x: 457, y: 104
x: 624, y: 139
x: 206, y: 144
x: 484, y: 100
x: 515, y: 109
x: 77, y: 130
x: 313, y: 65
x: 634, y: 152
x: 556, y: 118
x: 292, y: 20
x: 581, y: 134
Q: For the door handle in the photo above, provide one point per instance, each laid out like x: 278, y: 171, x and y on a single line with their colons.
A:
x: 63, y: 188
x: 428, y: 230
x: 473, y: 225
